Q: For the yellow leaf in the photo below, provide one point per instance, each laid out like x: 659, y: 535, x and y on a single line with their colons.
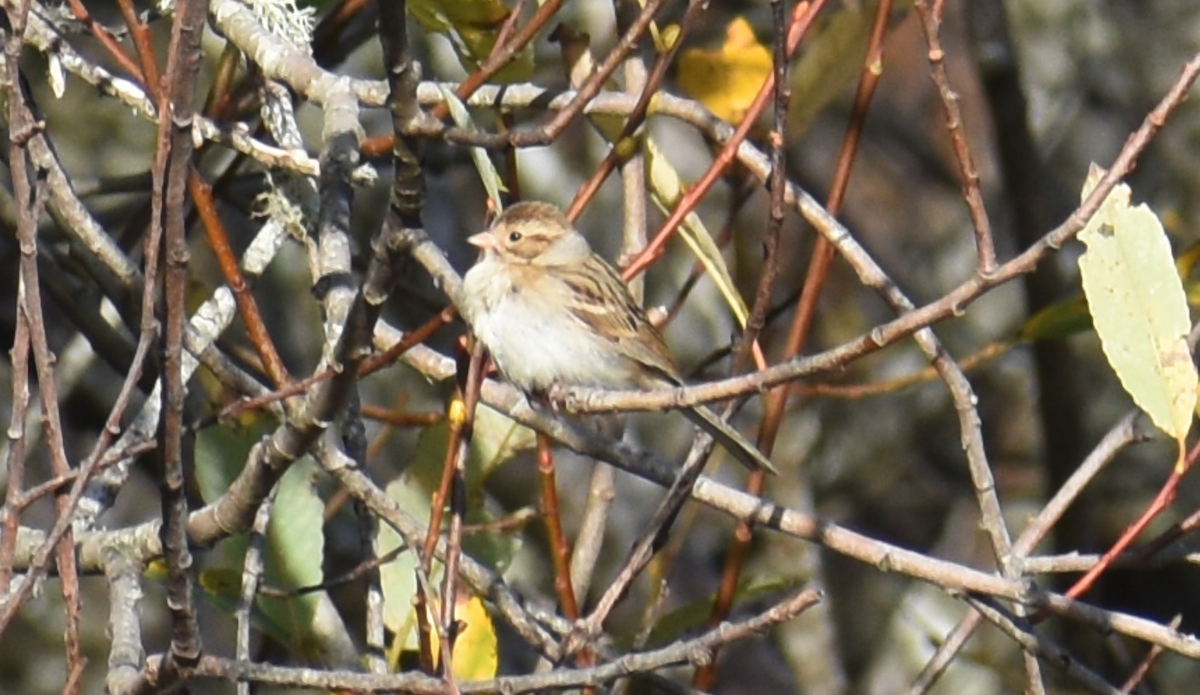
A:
x: 1138, y: 307
x: 726, y: 80
x: 474, y: 657
x: 665, y: 39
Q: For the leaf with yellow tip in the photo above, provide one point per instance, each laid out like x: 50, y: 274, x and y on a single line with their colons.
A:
x: 496, y: 439
x: 665, y: 40
x: 1187, y: 260
x: 473, y: 27
x: 666, y: 185
x: 492, y: 182
x: 1058, y: 320
x: 667, y: 190
x: 1138, y: 307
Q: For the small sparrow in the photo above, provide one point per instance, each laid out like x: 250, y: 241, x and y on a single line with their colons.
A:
x: 553, y: 314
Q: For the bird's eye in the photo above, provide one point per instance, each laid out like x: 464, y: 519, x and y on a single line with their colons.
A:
x: 514, y: 237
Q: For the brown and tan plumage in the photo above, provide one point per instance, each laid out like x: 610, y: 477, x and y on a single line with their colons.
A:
x: 552, y: 313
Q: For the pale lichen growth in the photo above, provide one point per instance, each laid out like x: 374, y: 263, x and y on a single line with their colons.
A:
x: 277, y: 206
x: 364, y: 175
x: 285, y: 20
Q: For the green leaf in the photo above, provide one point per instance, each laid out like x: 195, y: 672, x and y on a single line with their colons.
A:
x: 398, y: 577
x: 695, y: 615
x: 296, y: 549
x: 666, y: 190
x: 496, y: 439
x: 483, y: 164
x: 221, y: 454
x: 1138, y: 307
x: 223, y: 586
x: 1059, y: 320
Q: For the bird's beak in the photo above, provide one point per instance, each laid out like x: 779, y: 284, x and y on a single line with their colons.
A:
x: 484, y: 240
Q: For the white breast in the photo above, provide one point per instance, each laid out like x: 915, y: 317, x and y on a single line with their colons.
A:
x: 532, y: 337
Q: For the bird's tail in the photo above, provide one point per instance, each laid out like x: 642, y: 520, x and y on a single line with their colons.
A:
x: 732, y: 440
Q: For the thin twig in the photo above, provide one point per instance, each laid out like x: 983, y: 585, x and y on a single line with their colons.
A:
x: 681, y: 652
x: 931, y: 21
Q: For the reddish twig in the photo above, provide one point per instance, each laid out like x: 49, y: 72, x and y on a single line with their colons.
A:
x: 143, y: 42
x: 1148, y: 661
x: 822, y: 256
x: 502, y: 52
x: 458, y: 436
x: 912, y: 319
x: 172, y: 164
x: 457, y: 491
x: 31, y: 193
x: 108, y: 41
x: 1161, y: 501
x: 560, y: 549
x: 369, y: 366
x: 334, y: 22
x: 218, y: 243
x: 220, y: 102
x: 560, y: 552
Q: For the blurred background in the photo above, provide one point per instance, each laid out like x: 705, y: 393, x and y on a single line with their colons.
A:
x: 1045, y: 89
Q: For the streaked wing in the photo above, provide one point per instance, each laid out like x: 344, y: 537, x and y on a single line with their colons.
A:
x: 601, y: 301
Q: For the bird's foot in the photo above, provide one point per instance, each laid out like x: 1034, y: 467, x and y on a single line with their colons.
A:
x: 558, y: 395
